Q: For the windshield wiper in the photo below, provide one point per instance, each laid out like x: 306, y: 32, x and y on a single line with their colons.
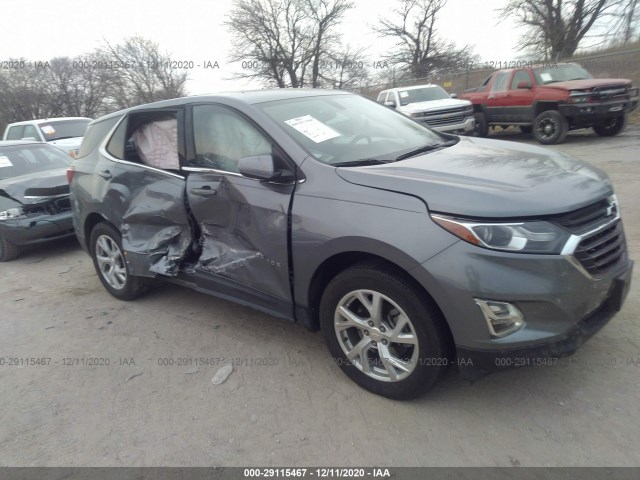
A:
x: 61, y: 138
x: 426, y: 148
x: 361, y: 163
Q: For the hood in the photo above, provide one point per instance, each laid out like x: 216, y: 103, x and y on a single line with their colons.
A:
x: 40, y: 185
x: 489, y: 178
x: 434, y: 105
x: 588, y: 83
x: 67, y: 144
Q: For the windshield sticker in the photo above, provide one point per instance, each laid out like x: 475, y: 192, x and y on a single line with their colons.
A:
x: 48, y: 129
x: 404, y: 94
x: 546, y: 77
x: 5, y: 162
x: 312, y: 128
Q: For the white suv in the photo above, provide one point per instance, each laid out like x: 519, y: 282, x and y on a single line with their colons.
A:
x: 432, y: 105
x: 64, y: 133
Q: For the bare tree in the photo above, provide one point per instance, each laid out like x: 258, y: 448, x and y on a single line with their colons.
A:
x: 420, y: 51
x: 144, y: 74
x: 555, y: 28
x: 344, y: 70
x: 283, y: 42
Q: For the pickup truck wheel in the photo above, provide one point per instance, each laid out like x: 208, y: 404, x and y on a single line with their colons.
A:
x: 482, y: 129
x: 611, y: 126
x: 382, y: 332
x: 527, y: 129
x: 111, y: 266
x: 550, y: 127
x: 8, y: 251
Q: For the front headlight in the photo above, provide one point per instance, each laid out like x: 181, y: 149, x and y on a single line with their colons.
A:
x: 523, y: 237
x: 11, y: 213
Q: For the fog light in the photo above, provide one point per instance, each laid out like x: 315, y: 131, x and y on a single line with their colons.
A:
x: 502, y: 318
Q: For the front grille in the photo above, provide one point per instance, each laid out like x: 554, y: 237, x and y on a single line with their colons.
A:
x: 603, y: 251
x: 432, y: 122
x: 612, y: 92
x: 588, y: 218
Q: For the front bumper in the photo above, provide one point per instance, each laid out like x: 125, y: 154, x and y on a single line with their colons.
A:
x: 37, y: 229
x: 561, y: 304
x: 475, y: 364
x: 467, y: 126
x: 598, y: 110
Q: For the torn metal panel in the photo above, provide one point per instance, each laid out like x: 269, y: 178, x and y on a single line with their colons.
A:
x: 156, y: 234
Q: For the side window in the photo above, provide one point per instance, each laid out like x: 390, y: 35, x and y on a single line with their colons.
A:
x: 381, y: 97
x: 500, y: 84
x: 148, y: 138
x: 95, y: 135
x: 15, y: 133
x: 30, y: 132
x: 222, y: 138
x: 391, y: 97
x: 520, y: 76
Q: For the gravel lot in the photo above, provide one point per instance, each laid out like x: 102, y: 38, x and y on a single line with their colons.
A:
x: 286, y: 403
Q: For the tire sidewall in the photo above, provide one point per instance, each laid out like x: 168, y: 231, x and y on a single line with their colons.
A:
x: 610, y: 131
x: 481, y: 130
x: 432, y: 359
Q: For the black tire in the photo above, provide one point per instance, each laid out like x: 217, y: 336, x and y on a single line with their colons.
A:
x: 123, y: 286
x: 611, y: 126
x: 8, y: 251
x: 526, y: 129
x: 425, y: 327
x: 550, y: 127
x: 482, y: 129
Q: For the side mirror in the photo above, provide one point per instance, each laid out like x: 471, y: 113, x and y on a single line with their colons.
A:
x: 261, y: 167
x: 390, y: 104
x: 453, y: 95
x: 524, y: 85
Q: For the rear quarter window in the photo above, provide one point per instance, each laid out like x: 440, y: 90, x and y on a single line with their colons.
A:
x: 14, y: 133
x: 94, y: 136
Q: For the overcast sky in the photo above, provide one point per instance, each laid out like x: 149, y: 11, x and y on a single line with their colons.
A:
x: 192, y: 30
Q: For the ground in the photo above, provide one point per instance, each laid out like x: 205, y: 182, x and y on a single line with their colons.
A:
x: 286, y: 403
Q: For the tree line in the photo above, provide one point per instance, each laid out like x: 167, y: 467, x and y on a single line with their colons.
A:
x: 299, y: 43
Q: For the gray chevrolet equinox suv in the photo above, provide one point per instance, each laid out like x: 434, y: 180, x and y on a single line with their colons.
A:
x: 411, y: 250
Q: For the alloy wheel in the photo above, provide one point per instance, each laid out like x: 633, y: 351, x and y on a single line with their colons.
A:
x: 111, y: 262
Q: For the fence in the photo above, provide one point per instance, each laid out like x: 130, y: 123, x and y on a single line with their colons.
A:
x: 625, y: 64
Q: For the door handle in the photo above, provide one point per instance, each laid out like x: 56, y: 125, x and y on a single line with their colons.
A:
x: 205, y: 191
x: 105, y: 174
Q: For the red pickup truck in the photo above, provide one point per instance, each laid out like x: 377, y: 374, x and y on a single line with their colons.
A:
x: 550, y: 100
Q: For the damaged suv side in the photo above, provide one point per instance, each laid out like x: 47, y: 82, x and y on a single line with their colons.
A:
x: 410, y: 249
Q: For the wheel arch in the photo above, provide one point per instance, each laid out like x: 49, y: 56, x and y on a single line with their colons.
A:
x: 544, y: 106
x: 340, y: 262
x: 90, y: 222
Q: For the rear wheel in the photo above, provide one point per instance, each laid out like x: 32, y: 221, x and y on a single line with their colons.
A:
x: 8, y: 251
x: 482, y: 129
x: 611, y: 126
x: 550, y: 127
x: 109, y: 261
x: 383, y: 332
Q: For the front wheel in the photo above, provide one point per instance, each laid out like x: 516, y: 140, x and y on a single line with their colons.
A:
x: 550, y: 127
x: 109, y: 261
x: 611, y: 126
x: 383, y: 333
x: 8, y: 251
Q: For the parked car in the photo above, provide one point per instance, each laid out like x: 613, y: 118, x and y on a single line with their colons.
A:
x: 64, y: 133
x: 410, y: 249
x: 432, y: 106
x: 549, y: 100
x: 34, y: 196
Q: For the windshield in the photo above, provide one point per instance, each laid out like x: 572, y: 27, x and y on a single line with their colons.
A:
x: 58, y: 129
x: 346, y: 128
x: 560, y: 73
x: 20, y: 160
x: 425, y: 94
